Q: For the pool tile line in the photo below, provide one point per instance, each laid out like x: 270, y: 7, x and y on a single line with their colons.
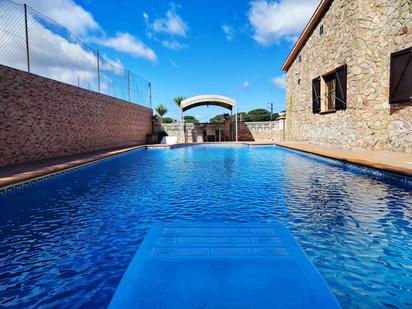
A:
x: 314, y: 151
x: 386, y: 176
x: 13, y: 186
x: 393, y: 162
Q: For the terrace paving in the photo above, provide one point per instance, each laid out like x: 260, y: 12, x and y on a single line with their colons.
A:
x: 13, y: 175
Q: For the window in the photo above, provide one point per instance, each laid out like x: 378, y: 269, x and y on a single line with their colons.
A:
x: 300, y: 58
x: 298, y: 81
x: 329, y: 91
x: 321, y: 29
x: 400, y: 89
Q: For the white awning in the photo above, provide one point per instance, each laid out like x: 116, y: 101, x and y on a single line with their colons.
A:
x: 202, y: 100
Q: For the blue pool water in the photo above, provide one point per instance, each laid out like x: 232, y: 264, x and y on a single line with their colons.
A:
x: 65, y: 242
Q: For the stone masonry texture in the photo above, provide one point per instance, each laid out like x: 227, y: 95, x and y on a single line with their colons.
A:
x: 41, y: 118
x: 361, y: 34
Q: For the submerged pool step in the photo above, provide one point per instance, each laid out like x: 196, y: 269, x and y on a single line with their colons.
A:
x: 221, y: 266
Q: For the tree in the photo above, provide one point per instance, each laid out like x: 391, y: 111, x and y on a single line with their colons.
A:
x: 178, y: 100
x: 168, y: 120
x: 190, y: 119
x: 241, y: 116
x: 218, y: 118
x: 161, y: 110
x: 259, y: 114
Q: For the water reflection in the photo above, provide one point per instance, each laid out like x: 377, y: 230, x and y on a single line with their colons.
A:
x: 66, y: 241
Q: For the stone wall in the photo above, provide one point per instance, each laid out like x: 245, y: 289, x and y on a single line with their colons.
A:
x: 247, y: 131
x: 361, y: 34
x: 261, y: 131
x: 42, y: 118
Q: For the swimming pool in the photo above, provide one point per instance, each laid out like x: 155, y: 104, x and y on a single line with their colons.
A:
x: 67, y: 240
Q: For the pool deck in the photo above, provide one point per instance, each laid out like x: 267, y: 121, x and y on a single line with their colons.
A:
x: 14, y: 175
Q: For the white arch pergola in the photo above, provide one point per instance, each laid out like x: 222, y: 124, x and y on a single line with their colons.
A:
x: 210, y: 99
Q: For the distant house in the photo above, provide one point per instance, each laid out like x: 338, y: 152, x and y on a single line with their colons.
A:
x: 349, y: 76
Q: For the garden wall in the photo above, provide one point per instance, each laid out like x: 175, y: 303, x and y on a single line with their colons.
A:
x: 265, y: 131
x: 42, y: 118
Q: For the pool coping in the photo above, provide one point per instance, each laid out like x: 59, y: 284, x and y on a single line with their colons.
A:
x: 34, y: 171
x: 362, y: 157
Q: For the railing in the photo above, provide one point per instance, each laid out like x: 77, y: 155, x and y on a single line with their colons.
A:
x: 33, y: 42
x: 262, y: 126
x: 253, y: 126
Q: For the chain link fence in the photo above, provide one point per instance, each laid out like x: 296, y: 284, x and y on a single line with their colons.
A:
x: 32, y: 42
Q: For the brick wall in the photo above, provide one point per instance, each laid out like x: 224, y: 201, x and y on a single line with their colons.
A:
x: 41, y: 118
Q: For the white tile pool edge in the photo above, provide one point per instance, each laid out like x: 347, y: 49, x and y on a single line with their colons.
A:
x: 386, y: 176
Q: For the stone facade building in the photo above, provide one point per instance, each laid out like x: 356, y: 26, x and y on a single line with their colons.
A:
x: 349, y: 77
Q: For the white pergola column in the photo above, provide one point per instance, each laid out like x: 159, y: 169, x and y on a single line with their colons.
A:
x: 236, y: 123
x: 182, y: 130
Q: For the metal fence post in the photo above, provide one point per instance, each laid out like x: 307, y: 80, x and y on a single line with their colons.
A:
x: 98, y: 70
x: 27, y: 38
x: 150, y: 95
x: 128, y: 83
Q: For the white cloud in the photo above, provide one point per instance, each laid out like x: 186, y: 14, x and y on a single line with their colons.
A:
x: 62, y: 60
x: 82, y: 23
x: 279, y: 81
x: 229, y: 32
x: 66, y: 13
x: 127, y: 43
x: 246, y: 85
x: 173, y: 64
x: 283, y: 19
x: 165, y: 30
x: 171, y: 24
x: 173, y: 44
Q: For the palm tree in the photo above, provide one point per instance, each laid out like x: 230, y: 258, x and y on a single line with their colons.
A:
x: 161, y: 110
x: 178, y: 100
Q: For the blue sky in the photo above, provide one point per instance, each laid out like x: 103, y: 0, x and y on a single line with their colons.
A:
x: 186, y: 47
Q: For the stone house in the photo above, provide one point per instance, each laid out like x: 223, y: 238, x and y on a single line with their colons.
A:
x: 349, y: 76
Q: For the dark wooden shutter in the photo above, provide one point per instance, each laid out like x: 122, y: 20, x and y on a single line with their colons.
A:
x: 341, y: 86
x: 316, y: 95
x: 400, y: 88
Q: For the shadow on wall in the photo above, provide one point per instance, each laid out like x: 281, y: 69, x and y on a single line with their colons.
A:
x: 244, y: 133
x: 396, y: 107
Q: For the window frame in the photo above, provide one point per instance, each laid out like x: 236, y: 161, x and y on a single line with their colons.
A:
x: 328, y: 79
x: 338, y: 77
x: 393, y: 100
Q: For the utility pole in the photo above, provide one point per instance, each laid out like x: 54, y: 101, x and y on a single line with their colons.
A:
x: 271, y: 110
